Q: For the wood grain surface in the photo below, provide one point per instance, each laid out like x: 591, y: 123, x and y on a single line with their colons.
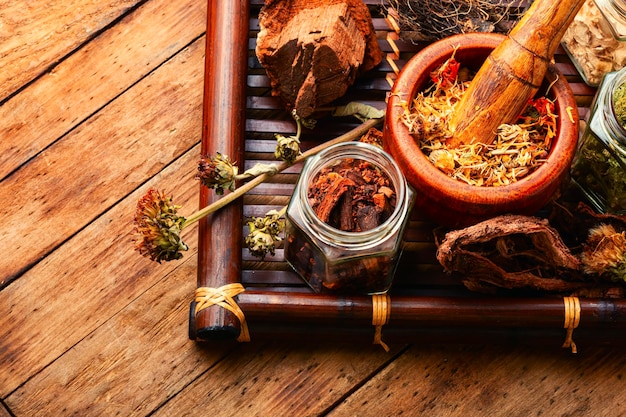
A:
x: 100, y: 101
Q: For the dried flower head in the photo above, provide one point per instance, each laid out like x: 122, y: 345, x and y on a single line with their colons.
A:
x: 604, y: 253
x: 158, y: 226
x: 217, y: 172
x: 287, y: 148
x: 264, y: 233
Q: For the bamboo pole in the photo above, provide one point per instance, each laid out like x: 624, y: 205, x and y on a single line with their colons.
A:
x: 219, y: 248
x: 427, y: 319
x: 512, y: 73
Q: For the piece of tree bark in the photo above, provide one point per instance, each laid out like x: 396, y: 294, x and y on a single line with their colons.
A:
x: 313, y: 50
x: 515, y: 252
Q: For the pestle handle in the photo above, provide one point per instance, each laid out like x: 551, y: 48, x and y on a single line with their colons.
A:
x: 512, y: 73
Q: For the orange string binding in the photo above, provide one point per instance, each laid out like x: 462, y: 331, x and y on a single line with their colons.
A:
x: 572, y: 319
x: 381, y: 310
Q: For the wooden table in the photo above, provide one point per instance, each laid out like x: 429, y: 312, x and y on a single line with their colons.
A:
x: 100, y: 101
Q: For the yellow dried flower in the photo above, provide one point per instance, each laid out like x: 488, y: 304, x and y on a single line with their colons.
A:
x: 264, y: 233
x: 158, y: 227
x: 443, y: 159
x: 604, y: 253
x: 517, y: 151
x: 287, y: 148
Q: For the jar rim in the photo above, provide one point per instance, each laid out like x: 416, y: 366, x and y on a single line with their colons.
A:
x: 358, y: 151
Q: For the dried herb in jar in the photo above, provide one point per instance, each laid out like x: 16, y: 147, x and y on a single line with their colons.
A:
x: 591, y: 45
x: 599, y: 168
x: 619, y: 104
x: 346, y: 219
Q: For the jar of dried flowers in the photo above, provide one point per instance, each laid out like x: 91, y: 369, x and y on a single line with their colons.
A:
x: 346, y: 218
x: 596, y: 39
x: 599, y: 168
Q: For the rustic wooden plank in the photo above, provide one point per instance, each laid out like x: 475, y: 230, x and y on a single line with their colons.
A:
x: 94, y: 275
x: 132, y: 363
x: 483, y: 380
x: 37, y: 34
x: 280, y: 380
x: 93, y: 76
x: 4, y: 412
x: 86, y: 172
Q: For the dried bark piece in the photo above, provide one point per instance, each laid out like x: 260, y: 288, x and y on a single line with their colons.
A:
x: 313, y: 50
x: 513, y: 252
x: 368, y: 217
x: 332, y: 193
x: 352, y: 196
x: 346, y: 222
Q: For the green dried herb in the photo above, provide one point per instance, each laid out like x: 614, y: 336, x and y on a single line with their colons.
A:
x: 601, y: 174
x: 264, y: 233
x: 619, y: 104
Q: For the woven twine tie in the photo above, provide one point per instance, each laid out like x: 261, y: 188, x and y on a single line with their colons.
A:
x: 381, y: 310
x: 223, y: 297
x: 572, y: 319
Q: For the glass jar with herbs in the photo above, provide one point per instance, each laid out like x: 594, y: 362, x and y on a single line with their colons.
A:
x: 599, y: 168
x: 346, y: 219
x: 596, y: 39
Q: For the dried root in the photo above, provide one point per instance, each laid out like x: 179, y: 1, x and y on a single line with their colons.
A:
x: 516, y: 253
x: 430, y: 20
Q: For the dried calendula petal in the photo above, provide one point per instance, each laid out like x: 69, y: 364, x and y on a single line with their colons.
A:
x: 442, y: 159
x: 517, y: 151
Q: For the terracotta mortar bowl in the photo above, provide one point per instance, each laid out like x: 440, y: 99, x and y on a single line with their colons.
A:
x: 448, y: 201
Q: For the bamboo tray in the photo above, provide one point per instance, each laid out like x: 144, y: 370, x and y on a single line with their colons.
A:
x: 271, y: 301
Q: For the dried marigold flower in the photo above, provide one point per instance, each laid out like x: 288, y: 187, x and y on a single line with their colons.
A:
x: 264, y: 233
x: 443, y: 159
x: 217, y: 172
x: 604, y: 253
x: 158, y: 227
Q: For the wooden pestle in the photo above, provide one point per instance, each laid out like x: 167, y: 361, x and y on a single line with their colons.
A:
x: 512, y: 73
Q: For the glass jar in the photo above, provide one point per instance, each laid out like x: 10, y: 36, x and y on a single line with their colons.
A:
x: 614, y: 12
x: 595, y: 41
x: 334, y: 260
x: 599, y: 168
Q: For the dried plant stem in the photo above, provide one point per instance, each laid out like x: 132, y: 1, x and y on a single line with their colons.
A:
x: 353, y: 134
x: 431, y: 20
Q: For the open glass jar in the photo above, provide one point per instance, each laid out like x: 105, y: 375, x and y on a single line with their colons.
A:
x: 330, y: 259
x: 596, y: 39
x: 599, y: 167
